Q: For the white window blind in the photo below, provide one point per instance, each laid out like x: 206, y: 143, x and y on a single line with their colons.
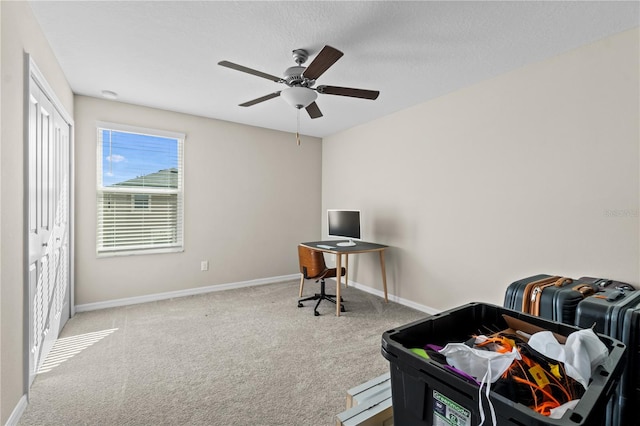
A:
x: 140, y: 190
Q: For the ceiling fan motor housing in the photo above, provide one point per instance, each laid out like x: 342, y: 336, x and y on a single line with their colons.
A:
x: 293, y: 77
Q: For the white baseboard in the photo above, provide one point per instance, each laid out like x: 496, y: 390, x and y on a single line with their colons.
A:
x: 14, y: 418
x: 423, y: 308
x: 182, y: 293
x: 208, y: 289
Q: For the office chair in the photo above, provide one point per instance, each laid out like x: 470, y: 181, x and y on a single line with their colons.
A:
x: 312, y: 267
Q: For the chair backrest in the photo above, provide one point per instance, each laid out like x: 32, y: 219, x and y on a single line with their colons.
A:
x: 311, y: 262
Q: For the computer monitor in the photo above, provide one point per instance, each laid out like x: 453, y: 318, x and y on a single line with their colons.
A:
x: 344, y: 224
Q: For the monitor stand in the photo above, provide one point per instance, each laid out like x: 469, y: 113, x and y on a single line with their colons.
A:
x: 349, y: 243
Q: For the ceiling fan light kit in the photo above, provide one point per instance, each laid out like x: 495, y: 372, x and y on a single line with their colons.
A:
x: 298, y: 96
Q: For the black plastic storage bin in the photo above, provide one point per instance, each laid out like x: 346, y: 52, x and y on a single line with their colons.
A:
x: 417, y: 382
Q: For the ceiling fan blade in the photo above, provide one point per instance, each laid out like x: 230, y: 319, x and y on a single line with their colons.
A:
x: 249, y: 71
x: 261, y: 99
x: 313, y: 110
x: 348, y: 91
x: 327, y: 57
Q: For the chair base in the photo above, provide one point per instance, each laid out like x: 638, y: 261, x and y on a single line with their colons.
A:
x: 320, y: 297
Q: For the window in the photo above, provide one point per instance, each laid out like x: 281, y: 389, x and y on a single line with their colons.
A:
x: 140, y: 191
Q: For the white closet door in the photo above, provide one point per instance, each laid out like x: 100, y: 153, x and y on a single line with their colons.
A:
x: 48, y: 225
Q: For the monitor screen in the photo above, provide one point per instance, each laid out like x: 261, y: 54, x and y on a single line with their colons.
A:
x: 344, y: 223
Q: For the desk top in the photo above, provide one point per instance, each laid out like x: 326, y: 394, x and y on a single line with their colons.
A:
x: 360, y: 247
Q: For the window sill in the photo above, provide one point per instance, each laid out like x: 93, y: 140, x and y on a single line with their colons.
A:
x: 133, y: 252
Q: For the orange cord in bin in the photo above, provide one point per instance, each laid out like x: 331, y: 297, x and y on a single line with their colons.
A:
x: 546, y: 390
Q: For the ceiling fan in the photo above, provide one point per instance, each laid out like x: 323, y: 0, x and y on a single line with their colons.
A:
x: 300, y: 80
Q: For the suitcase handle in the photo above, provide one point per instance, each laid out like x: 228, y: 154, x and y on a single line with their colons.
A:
x: 584, y: 289
x: 562, y: 281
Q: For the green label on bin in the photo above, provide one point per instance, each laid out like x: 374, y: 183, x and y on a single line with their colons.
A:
x: 449, y: 413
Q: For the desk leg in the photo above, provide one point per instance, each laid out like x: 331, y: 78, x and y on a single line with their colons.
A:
x: 338, y: 274
x: 384, y: 275
x: 346, y: 270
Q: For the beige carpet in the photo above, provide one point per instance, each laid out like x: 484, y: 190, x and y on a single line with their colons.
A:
x: 238, y: 357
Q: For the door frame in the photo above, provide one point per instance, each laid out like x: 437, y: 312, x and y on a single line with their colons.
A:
x: 32, y: 72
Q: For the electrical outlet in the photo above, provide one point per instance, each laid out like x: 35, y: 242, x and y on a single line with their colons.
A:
x: 204, y: 265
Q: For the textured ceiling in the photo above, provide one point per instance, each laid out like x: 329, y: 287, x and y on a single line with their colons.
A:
x: 165, y: 54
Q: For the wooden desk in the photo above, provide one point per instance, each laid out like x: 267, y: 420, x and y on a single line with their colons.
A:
x: 360, y: 247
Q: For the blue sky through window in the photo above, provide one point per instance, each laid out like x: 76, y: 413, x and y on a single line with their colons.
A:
x: 131, y: 155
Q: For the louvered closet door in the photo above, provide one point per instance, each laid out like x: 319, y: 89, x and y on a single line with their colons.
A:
x: 48, y: 225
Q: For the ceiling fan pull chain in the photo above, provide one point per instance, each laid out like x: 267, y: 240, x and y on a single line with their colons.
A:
x: 298, y: 129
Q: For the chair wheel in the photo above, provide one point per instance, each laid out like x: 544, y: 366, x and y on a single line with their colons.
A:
x: 300, y: 305
x: 316, y: 313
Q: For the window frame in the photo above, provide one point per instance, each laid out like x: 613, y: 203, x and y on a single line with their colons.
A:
x: 176, y: 247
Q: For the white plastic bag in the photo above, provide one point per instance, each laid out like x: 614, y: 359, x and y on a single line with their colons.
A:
x: 581, y: 354
x: 477, y: 362
x: 486, y: 366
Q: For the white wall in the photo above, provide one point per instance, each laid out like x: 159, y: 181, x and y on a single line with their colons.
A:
x: 20, y: 33
x: 535, y: 171
x: 251, y: 195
